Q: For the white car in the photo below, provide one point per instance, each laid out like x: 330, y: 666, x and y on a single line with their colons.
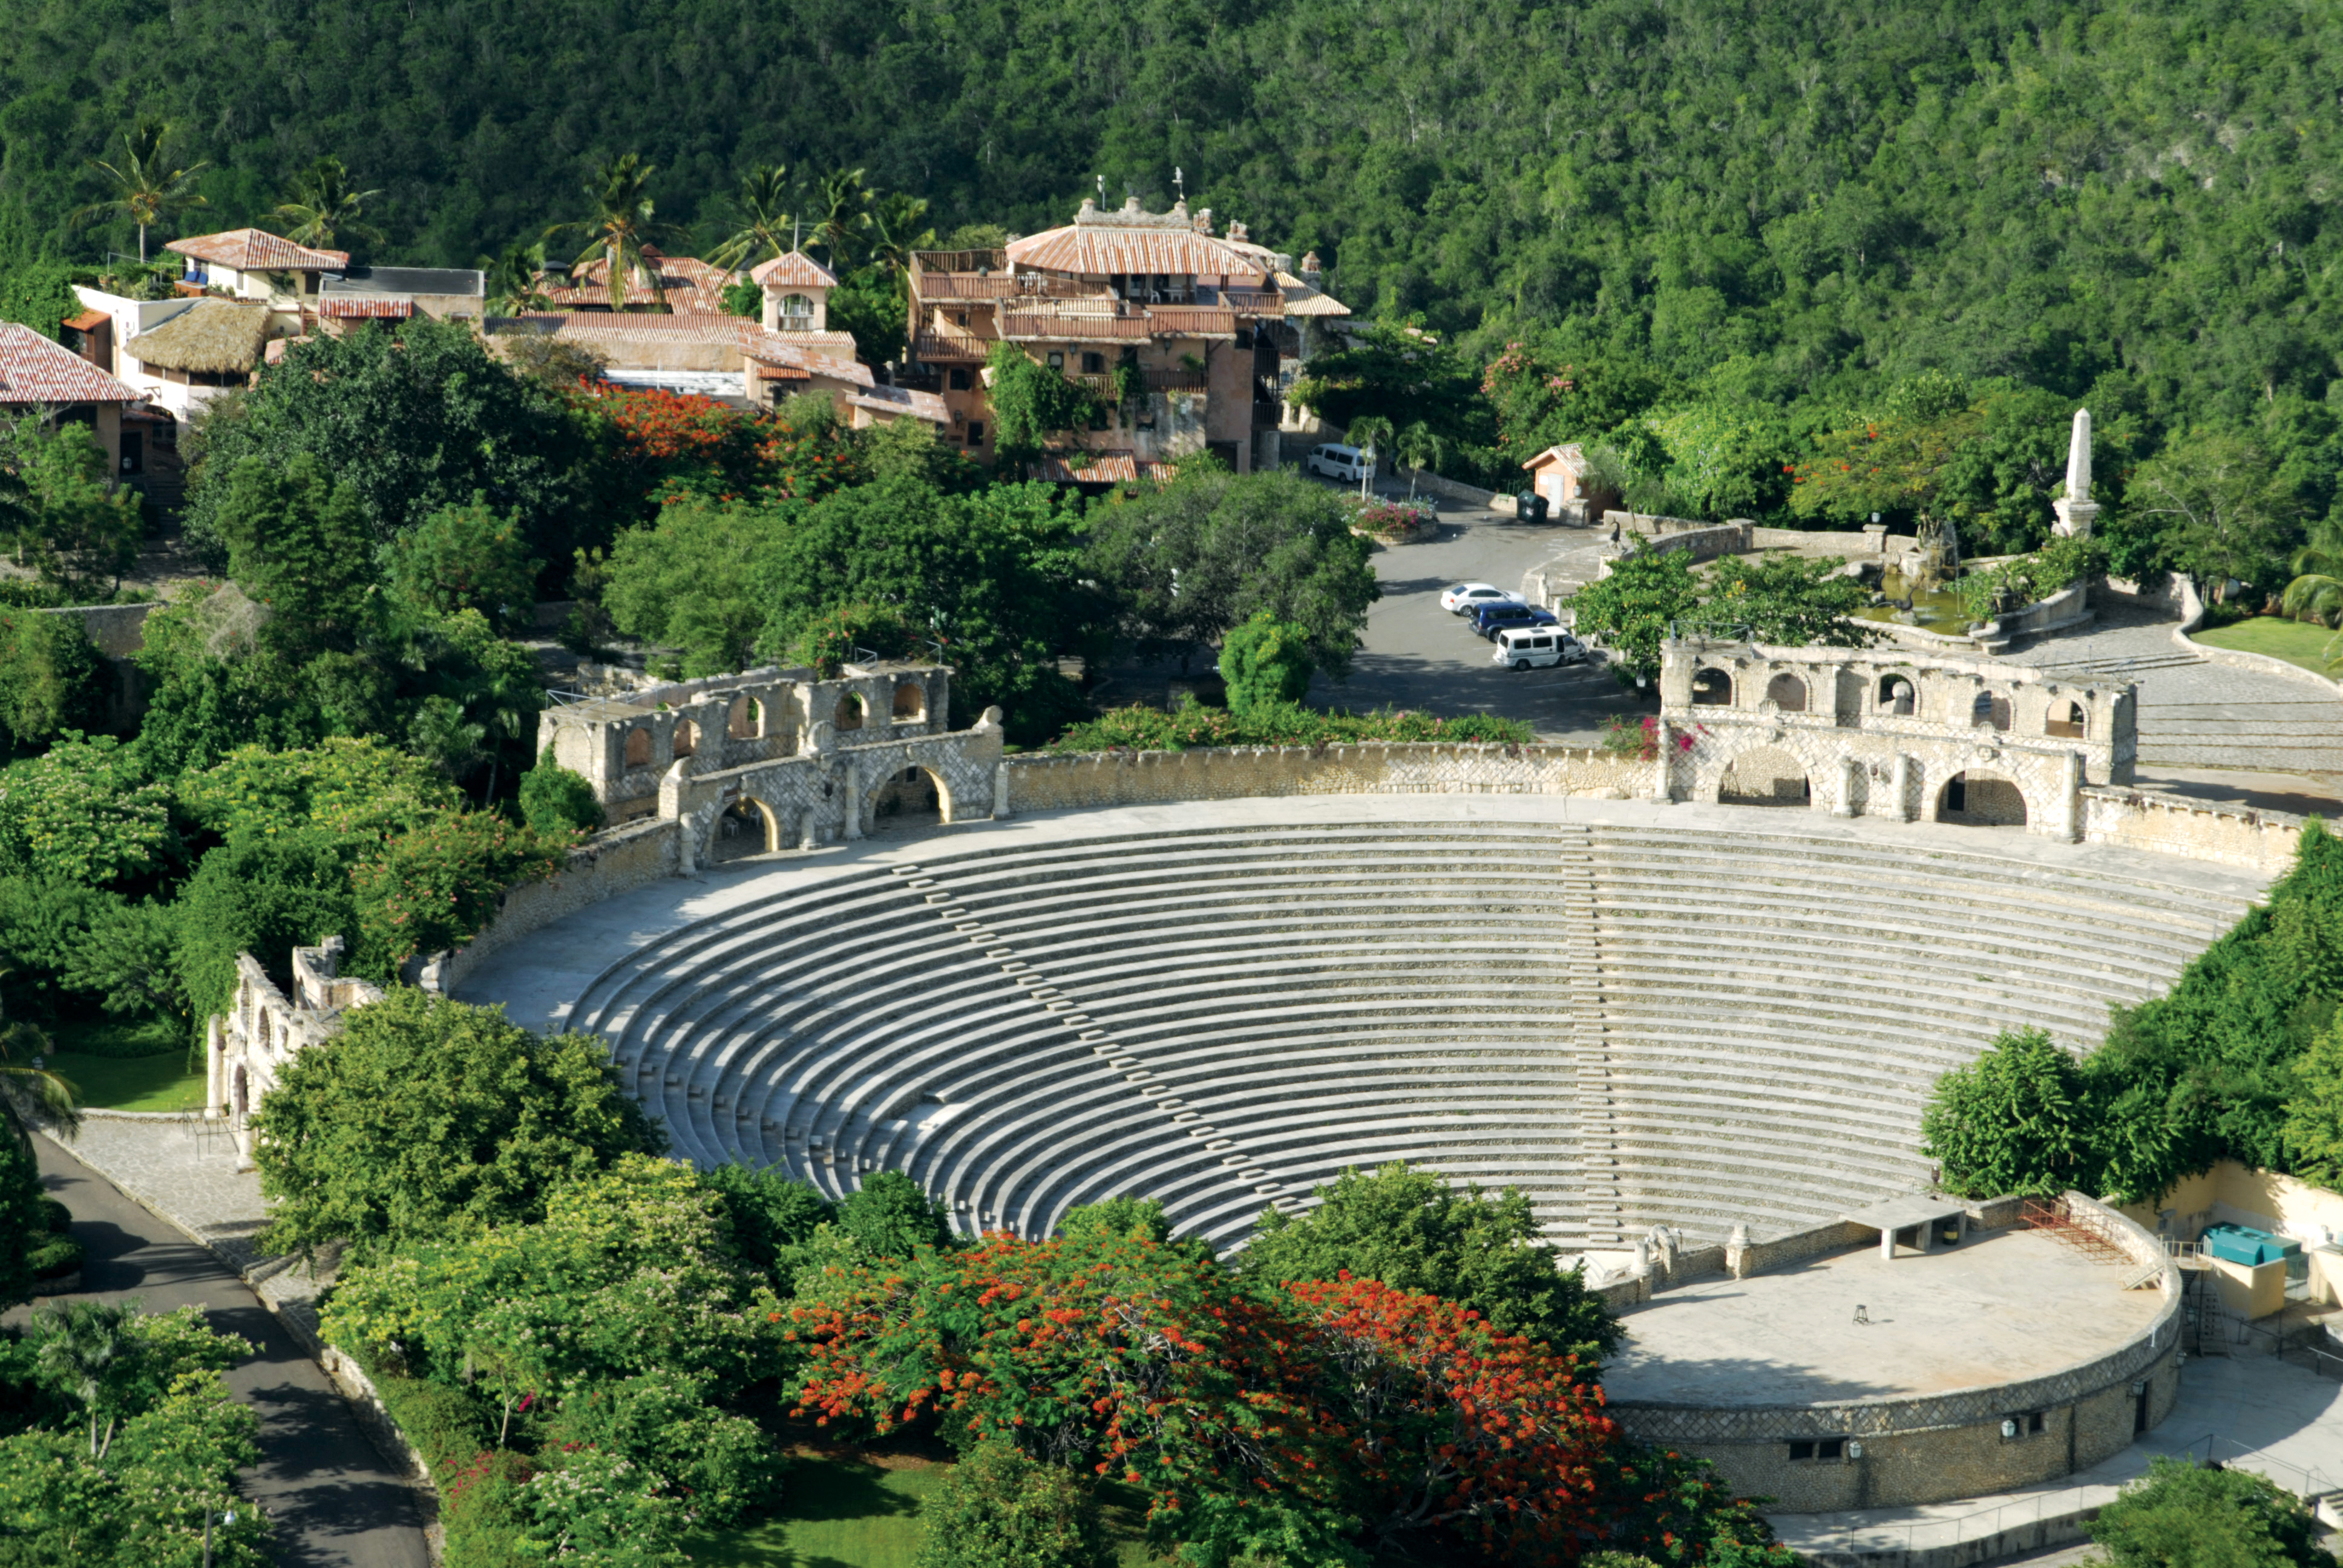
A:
x: 1537, y: 646
x: 1466, y: 597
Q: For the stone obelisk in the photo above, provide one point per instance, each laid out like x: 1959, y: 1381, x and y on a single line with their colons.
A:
x: 2076, y: 508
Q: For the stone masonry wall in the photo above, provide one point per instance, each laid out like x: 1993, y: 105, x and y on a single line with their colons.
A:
x: 2169, y: 825
x: 609, y: 864
x: 1042, y: 782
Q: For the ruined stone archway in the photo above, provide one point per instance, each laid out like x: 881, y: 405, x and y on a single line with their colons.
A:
x: 240, y: 1099
x: 908, y: 798
x: 746, y: 827
x: 1764, y: 776
x: 1980, y: 798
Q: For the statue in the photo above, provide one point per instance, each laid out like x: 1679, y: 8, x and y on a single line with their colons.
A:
x: 2076, y: 508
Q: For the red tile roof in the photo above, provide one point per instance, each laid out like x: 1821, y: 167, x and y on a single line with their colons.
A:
x: 1100, y: 469
x: 829, y: 354
x: 87, y: 319
x: 33, y: 370
x: 1102, y: 247
x: 257, y: 250
x: 692, y: 286
x: 795, y: 270
x: 904, y: 401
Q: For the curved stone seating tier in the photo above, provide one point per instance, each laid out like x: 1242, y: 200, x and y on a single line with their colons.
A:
x: 1635, y: 1026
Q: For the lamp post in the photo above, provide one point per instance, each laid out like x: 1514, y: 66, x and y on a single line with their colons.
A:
x: 226, y: 1518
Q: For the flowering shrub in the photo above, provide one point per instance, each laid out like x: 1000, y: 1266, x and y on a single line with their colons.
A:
x: 435, y: 886
x: 1624, y: 735
x: 671, y: 446
x: 1390, y: 519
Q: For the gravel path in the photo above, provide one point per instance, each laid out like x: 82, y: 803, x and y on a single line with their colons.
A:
x: 336, y: 1503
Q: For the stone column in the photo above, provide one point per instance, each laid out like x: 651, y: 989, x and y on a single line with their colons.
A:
x: 214, y: 1066
x: 1903, y: 812
x: 2070, y: 797
x: 1000, y: 789
x: 686, y: 862
x: 1844, y: 804
x: 1663, y: 759
x: 854, y: 798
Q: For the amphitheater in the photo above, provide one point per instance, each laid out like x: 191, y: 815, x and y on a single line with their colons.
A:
x: 1697, y: 1028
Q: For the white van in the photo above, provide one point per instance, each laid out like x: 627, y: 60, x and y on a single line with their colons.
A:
x: 1535, y: 647
x: 1346, y: 463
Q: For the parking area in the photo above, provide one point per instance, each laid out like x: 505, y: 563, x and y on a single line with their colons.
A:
x: 1417, y: 655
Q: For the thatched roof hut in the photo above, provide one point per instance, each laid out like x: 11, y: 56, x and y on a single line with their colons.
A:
x: 216, y: 337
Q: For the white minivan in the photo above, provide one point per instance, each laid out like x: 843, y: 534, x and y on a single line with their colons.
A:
x: 1535, y: 647
x: 1346, y: 463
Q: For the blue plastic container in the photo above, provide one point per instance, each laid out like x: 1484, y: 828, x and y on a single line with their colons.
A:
x: 2244, y: 1244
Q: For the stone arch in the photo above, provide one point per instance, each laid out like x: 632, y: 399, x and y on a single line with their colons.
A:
x: 1712, y: 688
x: 1788, y: 693
x: 638, y: 747
x: 910, y: 702
x: 2067, y: 721
x: 1764, y: 776
x: 852, y: 710
x: 573, y: 749
x: 1981, y: 797
x: 686, y: 742
x: 749, y: 826
x: 1898, y: 696
x: 745, y: 718
x: 910, y: 796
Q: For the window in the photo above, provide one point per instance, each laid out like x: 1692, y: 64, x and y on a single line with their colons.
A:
x: 638, y: 748
x: 1788, y: 693
x: 1990, y: 708
x: 975, y: 435
x: 958, y: 379
x: 1093, y: 364
x: 1712, y: 688
x: 797, y: 310
x: 2066, y: 720
x: 1801, y: 1450
x: 1830, y: 1448
x: 1895, y: 696
x: 1057, y: 360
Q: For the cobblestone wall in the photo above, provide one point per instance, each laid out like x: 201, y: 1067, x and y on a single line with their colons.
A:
x: 1046, y: 782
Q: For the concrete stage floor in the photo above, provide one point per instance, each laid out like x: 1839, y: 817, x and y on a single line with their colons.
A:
x: 2003, y: 1306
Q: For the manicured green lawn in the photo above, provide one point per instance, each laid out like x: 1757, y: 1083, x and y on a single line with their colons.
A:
x: 139, y: 1066
x: 2296, y: 641
x: 843, y: 1513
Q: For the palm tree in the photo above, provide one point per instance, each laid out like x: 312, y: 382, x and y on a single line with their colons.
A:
x: 84, y: 1349
x: 1364, y: 433
x: 512, y: 279
x: 899, y: 229
x: 1420, y: 447
x: 2316, y: 590
x: 841, y: 206
x: 622, y: 223
x: 322, y: 207
x: 146, y: 192
x: 762, y: 201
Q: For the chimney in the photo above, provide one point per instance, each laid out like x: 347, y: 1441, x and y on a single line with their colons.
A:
x: 1237, y: 231
x: 1309, y: 264
x: 1204, y: 221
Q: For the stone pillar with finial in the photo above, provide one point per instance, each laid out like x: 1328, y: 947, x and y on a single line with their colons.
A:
x: 2076, y: 509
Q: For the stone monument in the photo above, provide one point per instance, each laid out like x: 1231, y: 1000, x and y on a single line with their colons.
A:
x: 2076, y: 508
x: 1935, y: 555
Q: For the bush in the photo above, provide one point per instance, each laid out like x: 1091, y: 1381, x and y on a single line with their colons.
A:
x: 557, y: 803
x: 1140, y: 728
x: 2017, y: 1120
x: 433, y: 888
x: 892, y: 1216
x: 448, y: 1426
x: 771, y: 1214
x: 482, y: 1509
x: 1266, y: 663
x: 2184, y: 1516
x: 723, y: 1464
x: 998, y: 1509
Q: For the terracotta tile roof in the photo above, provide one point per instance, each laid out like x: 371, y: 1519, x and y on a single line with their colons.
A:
x: 1100, y: 469
x: 829, y: 354
x: 87, y: 320
x: 1103, y: 245
x: 837, y: 345
x: 1191, y: 321
x: 273, y: 353
x: 693, y: 287
x: 33, y: 369
x: 904, y: 401
x: 795, y: 270
x: 782, y: 372
x: 353, y: 307
x: 257, y: 250
x: 1571, y: 458
x: 1301, y: 299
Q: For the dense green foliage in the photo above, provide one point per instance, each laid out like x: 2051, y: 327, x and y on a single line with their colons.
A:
x: 1195, y: 725
x: 556, y: 802
x: 1653, y: 594
x: 120, y: 1434
x: 1000, y: 1508
x: 2237, y: 1060
x: 429, y: 1116
x: 2184, y: 1515
x: 1415, y: 1232
x: 1266, y: 663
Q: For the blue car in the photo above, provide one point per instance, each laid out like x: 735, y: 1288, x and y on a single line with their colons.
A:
x: 1491, y: 619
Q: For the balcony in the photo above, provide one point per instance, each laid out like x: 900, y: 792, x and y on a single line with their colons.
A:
x: 1177, y: 380
x: 1252, y: 301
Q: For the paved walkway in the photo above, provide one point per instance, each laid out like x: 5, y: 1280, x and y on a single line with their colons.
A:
x: 2251, y: 1412
x: 336, y: 1503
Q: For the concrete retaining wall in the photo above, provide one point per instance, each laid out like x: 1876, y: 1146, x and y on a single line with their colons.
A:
x: 1042, y: 782
x: 115, y: 631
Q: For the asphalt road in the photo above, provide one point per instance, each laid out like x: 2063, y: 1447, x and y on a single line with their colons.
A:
x: 337, y: 1504
x: 1419, y: 656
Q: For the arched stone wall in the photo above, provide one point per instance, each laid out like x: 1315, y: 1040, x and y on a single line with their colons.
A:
x: 1764, y: 776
